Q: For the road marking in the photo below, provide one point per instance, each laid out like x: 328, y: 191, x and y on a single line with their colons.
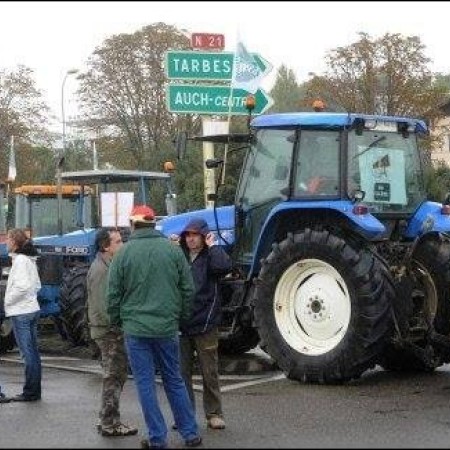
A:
x: 250, y: 380
x: 232, y: 387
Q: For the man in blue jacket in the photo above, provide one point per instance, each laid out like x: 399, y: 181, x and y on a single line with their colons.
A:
x: 200, y: 333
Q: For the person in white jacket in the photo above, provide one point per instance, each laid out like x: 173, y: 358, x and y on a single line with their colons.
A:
x: 22, y: 307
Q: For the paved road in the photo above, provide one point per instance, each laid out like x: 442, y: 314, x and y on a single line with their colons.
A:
x: 263, y: 410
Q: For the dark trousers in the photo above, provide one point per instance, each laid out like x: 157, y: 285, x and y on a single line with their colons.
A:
x: 205, y: 347
x: 115, y: 373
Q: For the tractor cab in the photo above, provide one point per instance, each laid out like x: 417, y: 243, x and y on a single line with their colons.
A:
x: 35, y: 208
x: 114, y: 188
x: 348, y: 166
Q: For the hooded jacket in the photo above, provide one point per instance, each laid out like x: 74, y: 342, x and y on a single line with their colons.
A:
x: 23, y: 283
x: 207, y: 267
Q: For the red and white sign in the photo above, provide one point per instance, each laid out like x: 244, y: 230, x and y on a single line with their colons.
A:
x: 210, y: 41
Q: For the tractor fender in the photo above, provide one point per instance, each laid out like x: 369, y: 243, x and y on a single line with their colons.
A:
x: 365, y: 225
x: 225, y: 216
x: 436, y: 236
x: 427, y: 217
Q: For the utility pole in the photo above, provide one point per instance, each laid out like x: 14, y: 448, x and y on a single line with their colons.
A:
x: 62, y: 154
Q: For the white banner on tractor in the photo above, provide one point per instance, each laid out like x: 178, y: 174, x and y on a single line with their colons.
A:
x: 116, y: 208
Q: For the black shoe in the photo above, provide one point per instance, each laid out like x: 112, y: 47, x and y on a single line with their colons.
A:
x: 194, y: 442
x: 24, y: 398
x: 146, y: 444
x: 4, y: 398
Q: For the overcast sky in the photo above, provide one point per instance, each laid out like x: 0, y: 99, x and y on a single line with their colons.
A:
x: 52, y: 37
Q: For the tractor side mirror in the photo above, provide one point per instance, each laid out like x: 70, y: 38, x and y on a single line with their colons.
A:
x: 213, y: 163
x: 447, y: 199
x: 212, y: 197
x: 181, y: 144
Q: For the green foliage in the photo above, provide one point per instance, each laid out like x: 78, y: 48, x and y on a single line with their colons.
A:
x: 442, y: 81
x: 23, y: 114
x: 286, y: 92
x: 388, y: 75
x: 123, y: 91
x: 35, y: 165
x: 437, y: 182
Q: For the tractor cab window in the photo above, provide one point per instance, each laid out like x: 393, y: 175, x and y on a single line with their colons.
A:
x: 40, y: 214
x: 317, y: 171
x: 267, y: 168
x: 385, y: 165
x: 264, y: 183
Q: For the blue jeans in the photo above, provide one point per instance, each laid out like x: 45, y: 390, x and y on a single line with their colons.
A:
x: 25, y: 332
x: 144, y: 355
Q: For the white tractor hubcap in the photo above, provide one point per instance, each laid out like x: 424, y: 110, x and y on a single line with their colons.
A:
x: 312, y: 307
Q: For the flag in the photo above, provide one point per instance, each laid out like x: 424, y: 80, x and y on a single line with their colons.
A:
x: 246, y: 72
x: 12, y: 162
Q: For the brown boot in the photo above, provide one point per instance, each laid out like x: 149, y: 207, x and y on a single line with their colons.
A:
x: 120, y: 429
x: 216, y: 423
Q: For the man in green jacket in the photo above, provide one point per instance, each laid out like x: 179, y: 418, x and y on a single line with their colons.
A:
x: 150, y: 290
x: 108, y: 338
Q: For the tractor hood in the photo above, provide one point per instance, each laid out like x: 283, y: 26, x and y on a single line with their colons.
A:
x: 225, y: 216
x: 80, y: 242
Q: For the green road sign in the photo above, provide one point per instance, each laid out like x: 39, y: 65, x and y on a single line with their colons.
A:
x: 199, y: 99
x: 185, y: 65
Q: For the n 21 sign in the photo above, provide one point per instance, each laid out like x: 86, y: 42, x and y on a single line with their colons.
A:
x: 208, y: 41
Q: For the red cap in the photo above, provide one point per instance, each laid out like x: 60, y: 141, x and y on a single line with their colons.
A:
x: 143, y: 214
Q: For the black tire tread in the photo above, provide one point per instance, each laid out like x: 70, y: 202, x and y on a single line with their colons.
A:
x: 371, y: 323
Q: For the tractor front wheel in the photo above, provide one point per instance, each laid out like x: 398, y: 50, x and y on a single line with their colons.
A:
x: 73, y: 304
x: 7, y: 340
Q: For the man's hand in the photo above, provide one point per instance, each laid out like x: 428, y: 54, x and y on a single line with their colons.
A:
x: 210, y: 240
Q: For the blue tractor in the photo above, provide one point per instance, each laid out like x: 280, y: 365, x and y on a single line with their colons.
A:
x: 65, y: 255
x: 340, y: 262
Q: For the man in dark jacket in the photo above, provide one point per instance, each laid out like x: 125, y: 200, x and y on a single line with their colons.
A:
x: 150, y: 291
x: 200, y: 332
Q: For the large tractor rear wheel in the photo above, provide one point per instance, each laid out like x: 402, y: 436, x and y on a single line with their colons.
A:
x: 243, y: 340
x: 430, y: 272
x: 322, y: 307
x: 7, y: 340
x: 73, y: 304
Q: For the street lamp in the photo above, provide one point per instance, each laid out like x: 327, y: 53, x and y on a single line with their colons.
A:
x: 69, y: 72
x: 63, y: 152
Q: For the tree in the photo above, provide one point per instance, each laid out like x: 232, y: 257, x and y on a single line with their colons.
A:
x: 23, y: 113
x: 286, y: 92
x: 388, y: 75
x: 123, y: 92
x: 35, y: 164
